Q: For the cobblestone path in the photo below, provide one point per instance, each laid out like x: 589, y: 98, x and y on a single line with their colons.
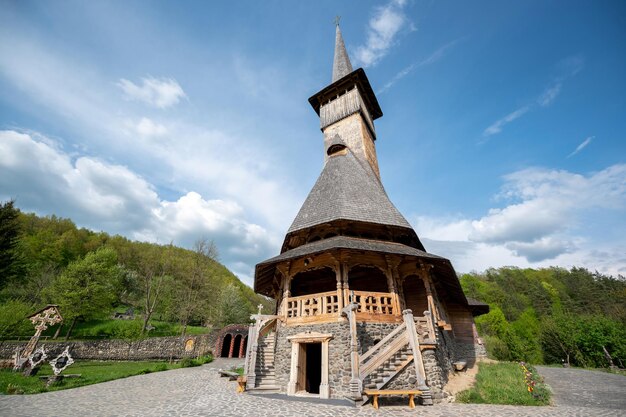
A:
x: 200, y: 392
x: 581, y: 388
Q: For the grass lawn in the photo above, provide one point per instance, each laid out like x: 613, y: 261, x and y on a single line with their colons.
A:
x: 504, y: 383
x: 92, y: 372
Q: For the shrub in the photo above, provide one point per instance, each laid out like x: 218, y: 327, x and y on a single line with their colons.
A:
x: 189, y: 362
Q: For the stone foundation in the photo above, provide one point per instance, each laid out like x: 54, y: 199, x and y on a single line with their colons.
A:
x: 339, y: 369
x: 438, y: 362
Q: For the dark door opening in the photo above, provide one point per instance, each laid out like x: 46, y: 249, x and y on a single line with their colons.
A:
x: 226, y: 346
x: 313, y: 367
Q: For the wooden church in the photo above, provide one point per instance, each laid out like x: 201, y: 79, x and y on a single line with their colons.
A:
x: 360, y: 304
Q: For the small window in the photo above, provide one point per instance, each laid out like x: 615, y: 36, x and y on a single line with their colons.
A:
x: 335, y: 149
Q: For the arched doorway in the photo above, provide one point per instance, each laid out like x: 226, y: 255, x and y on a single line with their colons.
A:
x: 415, y: 296
x: 367, y: 278
x: 234, y: 352
x: 314, y: 281
x: 226, y: 345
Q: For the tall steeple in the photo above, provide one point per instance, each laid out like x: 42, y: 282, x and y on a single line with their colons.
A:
x: 341, y: 63
x: 348, y: 107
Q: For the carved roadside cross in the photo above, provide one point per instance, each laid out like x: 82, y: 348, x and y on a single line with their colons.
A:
x: 45, y: 317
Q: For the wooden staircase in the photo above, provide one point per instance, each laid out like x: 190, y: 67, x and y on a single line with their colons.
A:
x: 380, y: 377
x: 383, y: 361
x: 264, y: 368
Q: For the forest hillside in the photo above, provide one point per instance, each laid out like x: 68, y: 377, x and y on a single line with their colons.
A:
x: 551, y: 315
x: 92, y: 276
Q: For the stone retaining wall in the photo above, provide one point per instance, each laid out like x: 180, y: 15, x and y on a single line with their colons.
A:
x: 145, y: 349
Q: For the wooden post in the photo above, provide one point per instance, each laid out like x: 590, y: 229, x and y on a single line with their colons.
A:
x: 356, y: 385
x: 338, y: 276
x: 392, y: 278
x: 293, y: 374
x: 324, y: 388
x: 346, y: 286
x: 420, y: 372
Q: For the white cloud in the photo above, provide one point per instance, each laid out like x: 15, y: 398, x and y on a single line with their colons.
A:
x: 548, y: 96
x: 582, y: 146
x: 104, y: 196
x: 568, y: 67
x: 548, y: 208
x: 148, y: 128
x: 157, y: 92
x: 383, y: 27
x: 431, y: 59
x: 499, y: 124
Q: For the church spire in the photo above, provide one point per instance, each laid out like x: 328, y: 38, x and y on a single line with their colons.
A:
x: 341, y: 63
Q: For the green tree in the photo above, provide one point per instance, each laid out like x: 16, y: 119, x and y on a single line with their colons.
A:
x: 87, y: 288
x: 194, y: 284
x: 9, y: 231
x: 233, y: 308
x: 13, y: 318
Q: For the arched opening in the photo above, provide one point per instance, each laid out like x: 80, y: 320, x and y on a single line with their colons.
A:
x: 415, y: 296
x: 367, y: 278
x: 226, y: 345
x: 313, y: 282
x: 236, y: 346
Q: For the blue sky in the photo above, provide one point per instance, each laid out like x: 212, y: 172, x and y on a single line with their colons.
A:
x: 502, y: 139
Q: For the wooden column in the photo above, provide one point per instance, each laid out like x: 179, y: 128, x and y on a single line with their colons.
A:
x: 284, y: 269
x: 340, y: 302
x: 346, y: 286
x: 392, y: 274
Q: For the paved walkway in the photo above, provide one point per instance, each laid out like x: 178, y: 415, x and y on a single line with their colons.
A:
x: 200, y: 392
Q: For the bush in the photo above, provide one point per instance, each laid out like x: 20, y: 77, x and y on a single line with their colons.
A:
x: 189, y: 362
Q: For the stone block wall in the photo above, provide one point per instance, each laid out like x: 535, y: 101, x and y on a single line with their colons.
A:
x: 145, y: 349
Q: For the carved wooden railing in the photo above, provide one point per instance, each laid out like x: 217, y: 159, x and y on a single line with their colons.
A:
x: 313, y: 305
x: 371, y: 306
x: 380, y: 303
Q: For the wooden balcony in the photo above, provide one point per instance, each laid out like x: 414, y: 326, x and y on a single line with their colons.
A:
x: 325, y: 307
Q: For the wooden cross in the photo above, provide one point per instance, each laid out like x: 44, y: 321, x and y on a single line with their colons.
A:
x: 46, y: 317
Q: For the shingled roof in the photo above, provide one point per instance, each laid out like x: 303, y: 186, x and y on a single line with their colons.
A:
x: 347, y: 189
x: 341, y: 63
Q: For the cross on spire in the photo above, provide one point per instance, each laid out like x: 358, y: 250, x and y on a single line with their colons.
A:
x: 337, y: 19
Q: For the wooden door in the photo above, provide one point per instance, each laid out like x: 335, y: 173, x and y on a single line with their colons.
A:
x: 301, y: 385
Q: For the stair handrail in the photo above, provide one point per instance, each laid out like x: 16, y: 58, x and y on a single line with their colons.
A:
x: 391, y: 349
x: 267, y: 327
x: 380, y: 344
x: 262, y: 323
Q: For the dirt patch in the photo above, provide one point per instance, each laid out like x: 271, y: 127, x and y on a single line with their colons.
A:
x: 460, y: 381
